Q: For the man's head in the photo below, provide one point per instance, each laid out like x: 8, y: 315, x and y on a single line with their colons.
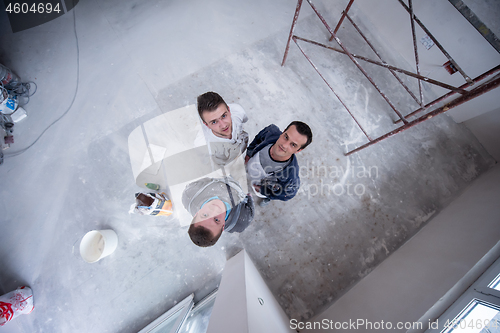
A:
x: 294, y: 138
x: 215, y: 114
x: 208, y: 223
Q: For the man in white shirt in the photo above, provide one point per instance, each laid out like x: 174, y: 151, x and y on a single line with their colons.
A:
x: 223, y: 128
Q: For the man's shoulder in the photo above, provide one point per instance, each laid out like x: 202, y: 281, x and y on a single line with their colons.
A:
x: 271, y: 130
x: 236, y: 108
x: 237, y: 112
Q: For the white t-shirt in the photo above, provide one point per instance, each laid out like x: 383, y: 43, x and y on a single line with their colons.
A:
x: 225, y: 150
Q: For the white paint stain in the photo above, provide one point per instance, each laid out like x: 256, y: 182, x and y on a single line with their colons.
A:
x: 423, y: 218
x: 346, y: 173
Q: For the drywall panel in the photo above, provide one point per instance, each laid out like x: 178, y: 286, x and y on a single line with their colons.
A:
x: 230, y: 312
x: 264, y: 312
x: 403, y: 287
x: 244, y: 302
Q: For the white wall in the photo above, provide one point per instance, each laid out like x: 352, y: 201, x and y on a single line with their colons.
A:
x: 404, y: 286
x: 486, y: 128
x: 237, y: 307
x: 387, y: 20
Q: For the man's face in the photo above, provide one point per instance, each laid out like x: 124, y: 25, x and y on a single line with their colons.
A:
x: 211, y: 216
x: 289, y: 143
x: 219, y: 121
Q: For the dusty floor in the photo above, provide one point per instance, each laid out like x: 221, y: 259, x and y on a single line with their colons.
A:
x: 138, y: 60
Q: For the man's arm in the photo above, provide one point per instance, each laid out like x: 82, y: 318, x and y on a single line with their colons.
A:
x: 251, y: 147
x: 259, y: 138
x: 245, y: 117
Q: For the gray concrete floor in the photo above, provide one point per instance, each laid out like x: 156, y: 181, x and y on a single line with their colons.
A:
x: 138, y: 60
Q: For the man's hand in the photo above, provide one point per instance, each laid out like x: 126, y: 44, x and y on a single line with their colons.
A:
x: 246, y: 159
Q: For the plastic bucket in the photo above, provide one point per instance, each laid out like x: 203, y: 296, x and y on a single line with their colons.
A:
x: 97, y: 244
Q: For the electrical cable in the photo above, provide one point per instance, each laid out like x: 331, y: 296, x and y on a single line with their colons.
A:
x: 16, y: 153
x: 21, y: 90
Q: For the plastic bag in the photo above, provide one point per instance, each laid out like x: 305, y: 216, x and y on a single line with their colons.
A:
x: 156, y: 204
x: 15, y: 303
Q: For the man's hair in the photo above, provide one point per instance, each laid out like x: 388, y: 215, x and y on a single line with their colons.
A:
x: 303, y: 129
x: 209, y: 101
x: 201, y: 236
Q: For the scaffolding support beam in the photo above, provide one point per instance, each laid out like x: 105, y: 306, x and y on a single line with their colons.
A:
x: 415, y: 50
x: 425, y: 78
x: 331, y: 88
x: 456, y: 102
x: 451, y: 93
x: 380, y: 57
x: 466, y: 95
x: 437, y: 43
x: 356, y: 63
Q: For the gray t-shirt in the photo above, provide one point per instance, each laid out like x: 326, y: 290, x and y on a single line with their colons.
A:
x: 196, y: 193
x: 268, y: 164
x: 261, y: 165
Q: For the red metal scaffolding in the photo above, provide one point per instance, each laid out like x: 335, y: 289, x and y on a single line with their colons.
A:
x: 465, y: 95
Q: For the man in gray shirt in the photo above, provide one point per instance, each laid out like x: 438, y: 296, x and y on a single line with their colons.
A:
x: 216, y: 204
x: 272, y: 167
